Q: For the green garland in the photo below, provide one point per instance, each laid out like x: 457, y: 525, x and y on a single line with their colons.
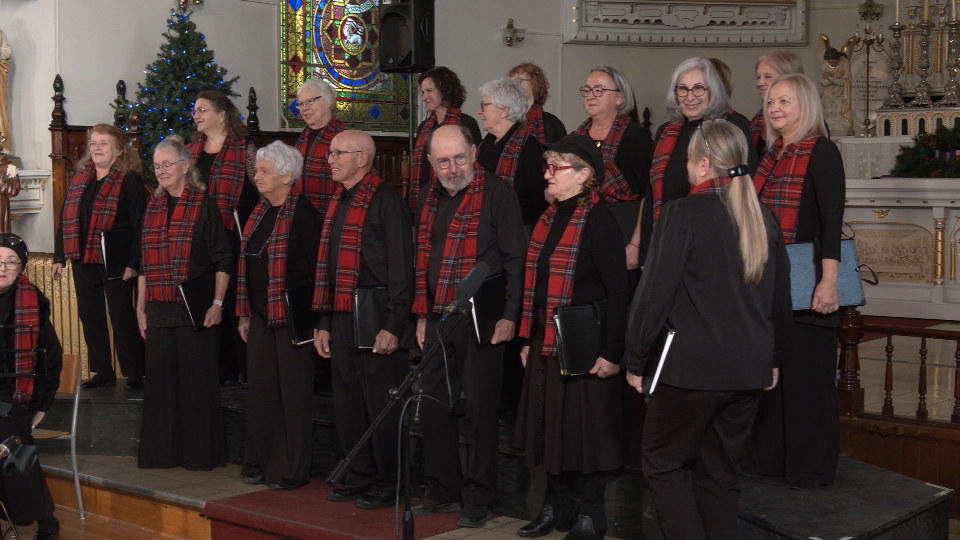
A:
x: 920, y: 160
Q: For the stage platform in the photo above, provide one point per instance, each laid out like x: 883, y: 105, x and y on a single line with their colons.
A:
x: 866, y: 502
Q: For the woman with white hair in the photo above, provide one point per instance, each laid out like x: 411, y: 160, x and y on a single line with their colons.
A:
x: 770, y: 66
x: 696, y: 94
x: 279, y: 249
x: 318, y: 107
x: 509, y: 149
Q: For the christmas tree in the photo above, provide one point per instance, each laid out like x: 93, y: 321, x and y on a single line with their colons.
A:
x: 184, y: 67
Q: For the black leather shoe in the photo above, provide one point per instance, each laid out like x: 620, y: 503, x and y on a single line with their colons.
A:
x: 276, y: 487
x: 541, y: 526
x: 134, y: 382
x: 99, y: 379
x: 376, y: 498
x: 428, y: 507
x: 44, y: 535
x: 584, y: 529
x: 252, y: 479
x: 474, y: 516
x: 346, y: 493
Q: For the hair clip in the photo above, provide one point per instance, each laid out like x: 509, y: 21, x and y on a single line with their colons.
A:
x: 739, y: 170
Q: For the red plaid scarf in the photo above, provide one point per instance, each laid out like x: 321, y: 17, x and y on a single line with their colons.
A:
x: 779, y: 182
x: 713, y: 186
x: 276, y: 253
x: 348, y: 259
x: 26, y: 337
x: 317, y: 182
x: 563, y: 266
x: 104, y: 212
x: 510, y: 156
x: 420, y: 153
x: 661, y: 156
x: 227, y: 174
x: 459, y: 249
x: 756, y: 127
x: 615, y: 187
x: 166, y: 246
x: 535, y: 122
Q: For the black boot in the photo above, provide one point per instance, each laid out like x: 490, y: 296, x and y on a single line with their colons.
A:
x: 541, y: 526
x: 591, y: 523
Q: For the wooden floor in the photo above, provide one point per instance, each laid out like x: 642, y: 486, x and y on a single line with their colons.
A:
x: 94, y: 527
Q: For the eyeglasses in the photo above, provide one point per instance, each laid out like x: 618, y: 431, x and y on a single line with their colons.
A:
x: 200, y: 110
x: 10, y: 240
x: 597, y: 91
x: 704, y: 137
x: 521, y: 79
x: 10, y: 265
x: 165, y: 166
x: 552, y: 169
x: 483, y: 104
x: 698, y: 90
x: 309, y: 101
x: 444, y: 163
x: 335, y: 154
x: 259, y: 254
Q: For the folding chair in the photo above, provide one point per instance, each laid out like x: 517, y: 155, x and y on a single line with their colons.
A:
x: 69, y: 384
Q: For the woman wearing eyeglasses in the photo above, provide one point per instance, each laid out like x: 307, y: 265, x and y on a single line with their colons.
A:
x: 624, y: 144
x: 279, y: 250
x: 318, y: 108
x: 106, y: 194
x: 442, y: 96
x: 183, y: 237
x: 571, y: 424
x: 696, y: 93
x: 24, y: 308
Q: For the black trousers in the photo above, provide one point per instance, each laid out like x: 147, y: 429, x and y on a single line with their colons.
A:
x: 361, y: 389
x: 693, y: 442
x: 90, y: 282
x: 797, y: 432
x: 26, y: 497
x: 182, y: 420
x: 280, y: 406
x: 477, y: 371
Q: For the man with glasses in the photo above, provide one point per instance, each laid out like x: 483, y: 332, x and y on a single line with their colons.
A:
x: 463, y: 217
x: 365, y: 245
x: 317, y: 105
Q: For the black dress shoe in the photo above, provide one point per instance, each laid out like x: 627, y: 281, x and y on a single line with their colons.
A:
x: 376, y: 498
x: 541, y: 526
x: 99, y: 379
x: 428, y: 507
x: 276, y: 487
x: 584, y: 529
x: 252, y: 479
x: 346, y: 493
x: 474, y: 516
x: 134, y: 382
x: 44, y: 535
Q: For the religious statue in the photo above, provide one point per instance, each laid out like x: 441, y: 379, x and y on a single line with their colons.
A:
x: 836, y: 81
x: 5, y: 56
x: 9, y: 187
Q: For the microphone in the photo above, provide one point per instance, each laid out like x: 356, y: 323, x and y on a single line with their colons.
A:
x: 9, y: 445
x: 467, y: 288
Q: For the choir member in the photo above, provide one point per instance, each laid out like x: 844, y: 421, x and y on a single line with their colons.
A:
x: 543, y: 125
x: 318, y: 108
x: 770, y: 66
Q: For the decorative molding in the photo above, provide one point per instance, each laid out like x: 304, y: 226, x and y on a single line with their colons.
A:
x: 745, y: 23
x: 30, y: 198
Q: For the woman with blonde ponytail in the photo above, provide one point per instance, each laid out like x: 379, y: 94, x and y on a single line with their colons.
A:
x: 718, y: 271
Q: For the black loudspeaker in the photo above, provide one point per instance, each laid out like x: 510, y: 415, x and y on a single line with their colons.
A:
x: 406, y: 36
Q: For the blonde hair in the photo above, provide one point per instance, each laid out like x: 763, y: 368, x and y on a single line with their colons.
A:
x: 812, y: 122
x: 175, y: 143
x: 783, y: 62
x: 127, y: 161
x: 728, y: 149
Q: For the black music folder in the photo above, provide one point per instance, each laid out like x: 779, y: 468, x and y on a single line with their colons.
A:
x: 581, y: 334
x: 301, y: 319
x: 660, y: 351
x: 115, y: 246
x: 197, y: 293
x: 488, y: 306
x: 369, y: 314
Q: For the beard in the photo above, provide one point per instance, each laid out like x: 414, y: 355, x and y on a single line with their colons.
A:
x: 456, y: 182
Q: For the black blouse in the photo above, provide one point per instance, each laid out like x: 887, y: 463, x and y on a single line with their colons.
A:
x: 600, y: 272
x: 553, y: 128
x: 528, y: 180
x: 634, y: 157
x: 48, y: 369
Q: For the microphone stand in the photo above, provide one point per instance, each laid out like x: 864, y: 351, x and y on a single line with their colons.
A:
x: 397, y: 397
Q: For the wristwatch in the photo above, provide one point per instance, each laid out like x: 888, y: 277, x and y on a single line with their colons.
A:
x: 218, y: 302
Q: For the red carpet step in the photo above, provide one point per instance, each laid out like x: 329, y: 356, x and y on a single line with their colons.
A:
x: 306, y: 513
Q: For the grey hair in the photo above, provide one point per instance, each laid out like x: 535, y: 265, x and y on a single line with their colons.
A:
x: 285, y: 158
x: 175, y: 143
x: 506, y: 93
x: 322, y: 89
x: 623, y: 85
x: 719, y: 102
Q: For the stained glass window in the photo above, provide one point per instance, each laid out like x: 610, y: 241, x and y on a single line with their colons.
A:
x: 338, y: 41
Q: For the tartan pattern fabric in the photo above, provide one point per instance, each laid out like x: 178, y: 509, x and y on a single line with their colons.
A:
x: 510, y: 156
x: 420, y: 153
x: 459, y: 248
x: 227, y: 174
x: 615, y: 187
x: 104, y: 212
x: 756, y: 127
x: 165, y: 247
x: 26, y: 337
x: 317, y: 181
x: 661, y: 156
x: 351, y: 238
x: 713, y: 186
x: 779, y: 182
x: 563, y: 266
x: 535, y: 122
x: 276, y: 253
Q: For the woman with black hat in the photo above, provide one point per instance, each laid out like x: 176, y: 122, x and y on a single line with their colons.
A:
x: 571, y: 424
